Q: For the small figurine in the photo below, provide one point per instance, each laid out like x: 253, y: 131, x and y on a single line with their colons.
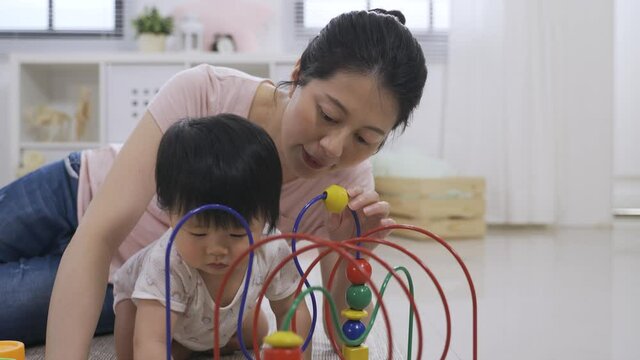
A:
x: 50, y: 124
x: 83, y: 112
x: 223, y: 43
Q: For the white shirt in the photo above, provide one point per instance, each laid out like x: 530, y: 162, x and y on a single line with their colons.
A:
x: 143, y: 277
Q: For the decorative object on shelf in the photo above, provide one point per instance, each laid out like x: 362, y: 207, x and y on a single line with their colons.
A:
x: 244, y: 20
x: 49, y: 124
x: 152, y: 30
x: 123, y: 85
x: 191, y: 31
x: 31, y: 160
x: 83, y: 112
x: 223, y: 43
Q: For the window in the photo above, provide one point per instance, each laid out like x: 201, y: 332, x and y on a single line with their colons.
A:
x: 51, y: 18
x: 429, y: 20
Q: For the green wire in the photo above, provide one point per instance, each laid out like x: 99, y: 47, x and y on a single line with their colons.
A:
x: 334, y: 313
x: 383, y: 288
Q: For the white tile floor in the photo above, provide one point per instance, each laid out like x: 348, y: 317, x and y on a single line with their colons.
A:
x: 542, y: 294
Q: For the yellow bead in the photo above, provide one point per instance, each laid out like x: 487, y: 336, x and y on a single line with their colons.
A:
x: 355, y: 353
x: 283, y: 339
x: 354, y: 314
x: 337, y: 198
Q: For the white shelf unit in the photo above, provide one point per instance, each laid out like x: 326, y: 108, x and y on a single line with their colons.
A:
x: 120, y: 87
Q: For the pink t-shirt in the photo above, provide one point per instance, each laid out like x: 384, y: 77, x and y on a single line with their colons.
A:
x: 201, y: 91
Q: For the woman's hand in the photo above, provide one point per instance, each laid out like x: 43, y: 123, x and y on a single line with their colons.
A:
x: 371, y: 212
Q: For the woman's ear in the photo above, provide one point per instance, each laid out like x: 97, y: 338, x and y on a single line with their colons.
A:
x: 295, y: 76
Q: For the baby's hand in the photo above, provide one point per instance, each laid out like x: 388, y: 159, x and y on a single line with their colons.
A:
x: 371, y: 212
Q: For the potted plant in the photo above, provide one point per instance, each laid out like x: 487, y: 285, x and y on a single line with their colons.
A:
x: 152, y: 29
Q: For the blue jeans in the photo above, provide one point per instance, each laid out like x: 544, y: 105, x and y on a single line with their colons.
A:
x: 38, y: 217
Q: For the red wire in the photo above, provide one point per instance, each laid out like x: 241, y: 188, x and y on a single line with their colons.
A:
x: 340, y: 249
x: 467, y: 274
x: 352, y: 244
x: 337, y: 247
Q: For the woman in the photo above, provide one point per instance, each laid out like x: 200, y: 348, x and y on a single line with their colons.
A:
x: 356, y: 82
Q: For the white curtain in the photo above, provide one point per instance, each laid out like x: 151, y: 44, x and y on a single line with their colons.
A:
x: 499, y: 105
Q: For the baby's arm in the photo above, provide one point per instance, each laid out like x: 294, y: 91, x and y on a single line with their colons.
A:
x: 303, y: 318
x: 149, y: 341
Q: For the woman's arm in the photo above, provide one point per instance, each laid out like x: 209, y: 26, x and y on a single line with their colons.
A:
x: 81, y: 280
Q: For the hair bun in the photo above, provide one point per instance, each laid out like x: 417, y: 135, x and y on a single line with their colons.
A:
x: 395, y: 13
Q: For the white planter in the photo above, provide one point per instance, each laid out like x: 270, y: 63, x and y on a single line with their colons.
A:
x: 151, y: 42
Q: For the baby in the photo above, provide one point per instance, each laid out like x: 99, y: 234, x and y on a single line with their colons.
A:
x: 224, y: 159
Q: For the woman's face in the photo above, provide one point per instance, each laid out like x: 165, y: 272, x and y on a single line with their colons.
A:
x: 335, y: 123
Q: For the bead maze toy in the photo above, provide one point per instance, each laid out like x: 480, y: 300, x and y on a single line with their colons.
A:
x: 285, y: 344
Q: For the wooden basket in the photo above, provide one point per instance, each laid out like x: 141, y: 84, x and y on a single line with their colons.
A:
x: 452, y: 207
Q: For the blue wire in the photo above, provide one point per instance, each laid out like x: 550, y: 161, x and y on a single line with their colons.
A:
x: 314, y: 305
x: 167, y: 282
x: 357, y: 221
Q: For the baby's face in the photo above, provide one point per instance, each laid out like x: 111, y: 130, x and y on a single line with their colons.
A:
x: 213, y: 250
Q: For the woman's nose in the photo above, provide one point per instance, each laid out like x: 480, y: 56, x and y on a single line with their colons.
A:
x: 333, y: 144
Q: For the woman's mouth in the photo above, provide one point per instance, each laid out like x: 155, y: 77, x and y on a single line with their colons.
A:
x: 311, y: 161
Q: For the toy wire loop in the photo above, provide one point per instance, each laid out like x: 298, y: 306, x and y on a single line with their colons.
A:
x: 167, y: 271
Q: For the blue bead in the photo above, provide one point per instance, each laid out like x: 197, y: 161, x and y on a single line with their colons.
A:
x: 353, y: 329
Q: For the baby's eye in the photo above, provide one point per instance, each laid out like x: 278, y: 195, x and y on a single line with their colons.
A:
x: 197, y: 234
x: 238, y: 235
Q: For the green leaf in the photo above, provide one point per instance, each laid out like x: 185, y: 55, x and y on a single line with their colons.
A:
x: 150, y: 21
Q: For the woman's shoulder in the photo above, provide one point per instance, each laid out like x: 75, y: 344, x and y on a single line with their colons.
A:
x: 220, y: 74
x: 203, y: 90
x: 206, y: 77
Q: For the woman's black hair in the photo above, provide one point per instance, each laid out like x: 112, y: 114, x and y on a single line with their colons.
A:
x: 370, y: 42
x: 223, y: 159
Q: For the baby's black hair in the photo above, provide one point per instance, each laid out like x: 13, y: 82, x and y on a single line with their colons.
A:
x: 223, y: 159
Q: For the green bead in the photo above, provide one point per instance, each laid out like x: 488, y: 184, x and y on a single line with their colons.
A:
x: 358, y: 296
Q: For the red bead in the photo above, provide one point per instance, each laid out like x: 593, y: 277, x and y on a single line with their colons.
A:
x: 282, y: 354
x: 359, y: 277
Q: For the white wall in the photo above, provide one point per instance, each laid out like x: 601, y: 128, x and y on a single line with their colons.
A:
x: 626, y: 191
x: 584, y: 73
x: 424, y: 134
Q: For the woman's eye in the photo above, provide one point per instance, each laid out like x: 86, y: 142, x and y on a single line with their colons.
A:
x: 327, y: 117
x: 361, y: 140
